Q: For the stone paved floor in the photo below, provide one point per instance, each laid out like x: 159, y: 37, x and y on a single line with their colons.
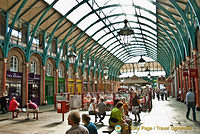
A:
x: 164, y: 115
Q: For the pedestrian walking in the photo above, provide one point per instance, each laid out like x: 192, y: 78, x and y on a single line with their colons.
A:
x: 158, y: 94
x: 190, y: 102
x: 166, y: 94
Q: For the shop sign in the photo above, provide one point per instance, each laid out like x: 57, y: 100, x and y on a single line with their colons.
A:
x: 17, y: 75
x: 185, y: 72
x: 193, y: 73
x: 33, y: 76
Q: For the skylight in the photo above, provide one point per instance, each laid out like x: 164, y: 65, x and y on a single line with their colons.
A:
x: 111, y: 14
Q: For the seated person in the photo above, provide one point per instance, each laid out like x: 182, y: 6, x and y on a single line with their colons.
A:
x: 74, y: 120
x: 13, y: 106
x: 117, y: 118
x: 92, y: 109
x: 89, y: 125
x: 101, y: 110
x: 32, y: 107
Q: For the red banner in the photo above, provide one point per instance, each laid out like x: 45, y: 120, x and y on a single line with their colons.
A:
x: 193, y: 73
x: 185, y: 72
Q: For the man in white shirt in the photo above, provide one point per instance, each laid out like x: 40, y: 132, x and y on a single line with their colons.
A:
x: 190, y: 102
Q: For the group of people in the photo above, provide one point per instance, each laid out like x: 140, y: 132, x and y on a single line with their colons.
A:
x: 31, y: 106
x: 162, y: 93
x: 89, y: 127
x: 74, y: 120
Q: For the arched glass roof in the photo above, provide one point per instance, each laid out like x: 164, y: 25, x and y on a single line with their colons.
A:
x: 109, y: 15
x: 163, y: 29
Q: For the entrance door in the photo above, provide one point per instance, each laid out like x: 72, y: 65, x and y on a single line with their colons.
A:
x: 61, y: 88
x: 34, y: 92
x: 49, y: 93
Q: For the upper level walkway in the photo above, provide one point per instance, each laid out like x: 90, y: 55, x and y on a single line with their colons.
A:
x: 169, y: 114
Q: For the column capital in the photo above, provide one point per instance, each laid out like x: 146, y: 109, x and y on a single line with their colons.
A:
x: 183, y: 62
x: 5, y: 60
x: 43, y: 67
x: 187, y: 58
x: 194, y: 51
x: 27, y: 64
x: 56, y: 69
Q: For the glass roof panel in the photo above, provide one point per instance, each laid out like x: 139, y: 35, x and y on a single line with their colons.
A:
x: 111, y: 24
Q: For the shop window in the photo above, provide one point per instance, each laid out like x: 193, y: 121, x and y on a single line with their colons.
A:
x: 33, y: 67
x: 14, y: 64
x: 48, y: 71
x: 60, y: 72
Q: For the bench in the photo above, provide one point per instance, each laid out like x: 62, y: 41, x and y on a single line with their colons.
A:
x: 108, y: 129
x: 37, y: 112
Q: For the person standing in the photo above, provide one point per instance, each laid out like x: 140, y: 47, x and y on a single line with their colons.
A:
x: 158, y: 94
x: 3, y: 101
x: 125, y: 106
x: 136, y: 107
x: 13, y: 106
x: 162, y: 94
x: 89, y: 125
x: 190, y: 102
x: 166, y: 94
x: 101, y: 110
x: 74, y: 120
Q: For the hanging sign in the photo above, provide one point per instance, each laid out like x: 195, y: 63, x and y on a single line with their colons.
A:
x: 193, y: 73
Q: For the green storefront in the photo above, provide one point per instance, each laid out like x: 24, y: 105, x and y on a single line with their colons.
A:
x: 61, y: 85
x: 49, y: 89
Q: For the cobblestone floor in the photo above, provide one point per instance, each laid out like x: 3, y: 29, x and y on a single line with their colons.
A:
x: 166, y: 117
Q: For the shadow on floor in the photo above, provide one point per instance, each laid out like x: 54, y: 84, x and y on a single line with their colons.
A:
x: 4, y: 119
x: 53, y: 124
x: 22, y: 121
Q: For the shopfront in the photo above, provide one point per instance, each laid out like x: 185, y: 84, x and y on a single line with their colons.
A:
x: 34, y: 88
x: 61, y: 85
x: 49, y: 89
x: 14, y: 85
x: 71, y: 85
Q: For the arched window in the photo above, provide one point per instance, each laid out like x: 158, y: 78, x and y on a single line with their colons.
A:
x: 33, y: 67
x: 48, y: 70
x: 14, y: 64
x: 60, y: 72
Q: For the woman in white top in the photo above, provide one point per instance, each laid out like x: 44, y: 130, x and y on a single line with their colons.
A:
x: 92, y: 109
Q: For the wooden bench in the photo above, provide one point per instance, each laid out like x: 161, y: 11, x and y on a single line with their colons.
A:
x: 37, y: 112
x: 108, y: 129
